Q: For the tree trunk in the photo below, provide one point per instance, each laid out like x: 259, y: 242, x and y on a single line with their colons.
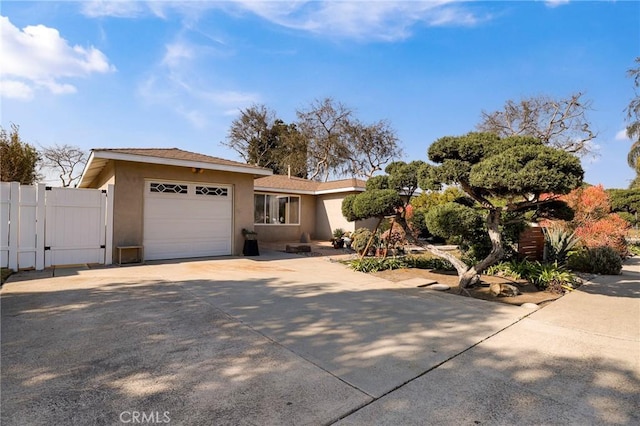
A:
x: 366, y: 249
x: 467, y: 276
x: 472, y: 276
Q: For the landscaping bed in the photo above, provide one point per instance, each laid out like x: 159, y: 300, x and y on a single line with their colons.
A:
x: 530, y: 294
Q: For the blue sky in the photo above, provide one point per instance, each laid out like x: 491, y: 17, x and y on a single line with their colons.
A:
x: 175, y: 74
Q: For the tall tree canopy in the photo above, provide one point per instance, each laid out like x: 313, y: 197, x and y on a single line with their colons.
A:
x: 560, y: 123
x: 326, y: 141
x: 324, y: 123
x: 67, y: 161
x: 505, y: 177
x: 18, y: 160
x: 633, y: 128
x: 261, y: 138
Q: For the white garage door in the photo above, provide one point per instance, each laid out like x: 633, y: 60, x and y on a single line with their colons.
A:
x: 187, y: 220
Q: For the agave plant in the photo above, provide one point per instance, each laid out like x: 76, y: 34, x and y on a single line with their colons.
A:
x: 559, y: 243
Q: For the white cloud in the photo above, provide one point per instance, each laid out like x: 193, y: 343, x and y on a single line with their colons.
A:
x: 37, y: 57
x: 177, y: 83
x: 360, y: 20
x: 16, y: 90
x: 556, y: 3
x: 386, y: 21
x: 621, y: 135
x: 117, y: 9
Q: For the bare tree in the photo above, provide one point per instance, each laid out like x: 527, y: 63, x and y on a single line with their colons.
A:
x: 560, y: 123
x: 370, y: 147
x: 324, y: 124
x: 66, y: 160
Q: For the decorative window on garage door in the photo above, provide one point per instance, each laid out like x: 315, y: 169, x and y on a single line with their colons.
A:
x: 171, y: 188
x: 212, y: 190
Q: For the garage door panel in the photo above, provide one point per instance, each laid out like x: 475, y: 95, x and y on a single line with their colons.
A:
x: 188, y: 224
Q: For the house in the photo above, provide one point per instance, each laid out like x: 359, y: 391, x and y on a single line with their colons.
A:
x: 174, y: 204
x: 286, y: 207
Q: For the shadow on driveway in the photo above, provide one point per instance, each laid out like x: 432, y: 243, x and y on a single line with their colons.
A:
x: 272, y: 348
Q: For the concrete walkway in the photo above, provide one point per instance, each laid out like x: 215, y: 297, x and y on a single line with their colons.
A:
x: 284, y: 339
x: 576, y: 361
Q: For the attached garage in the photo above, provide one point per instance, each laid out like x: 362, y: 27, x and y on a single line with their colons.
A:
x: 171, y: 204
x: 183, y: 219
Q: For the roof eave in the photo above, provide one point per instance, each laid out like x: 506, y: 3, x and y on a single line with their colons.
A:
x: 137, y: 158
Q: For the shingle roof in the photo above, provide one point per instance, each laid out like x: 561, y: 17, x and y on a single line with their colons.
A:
x: 286, y: 183
x: 175, y: 154
x: 164, y: 156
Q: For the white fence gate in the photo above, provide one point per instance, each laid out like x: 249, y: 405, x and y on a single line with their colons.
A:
x: 42, y: 226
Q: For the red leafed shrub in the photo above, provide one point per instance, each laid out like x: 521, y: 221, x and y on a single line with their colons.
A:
x: 609, y: 231
x: 593, y: 222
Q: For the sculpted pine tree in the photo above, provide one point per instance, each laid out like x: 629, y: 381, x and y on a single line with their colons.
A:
x: 504, y: 177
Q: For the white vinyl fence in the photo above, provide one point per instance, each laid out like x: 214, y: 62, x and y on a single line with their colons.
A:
x: 43, y: 226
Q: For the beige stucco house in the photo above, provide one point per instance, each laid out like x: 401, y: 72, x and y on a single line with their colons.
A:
x: 173, y: 203
x: 320, y: 206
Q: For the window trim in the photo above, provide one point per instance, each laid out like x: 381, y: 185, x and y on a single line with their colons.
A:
x: 266, y: 206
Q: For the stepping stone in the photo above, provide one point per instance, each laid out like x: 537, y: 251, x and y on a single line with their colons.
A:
x: 438, y: 287
x: 416, y: 282
x: 530, y: 305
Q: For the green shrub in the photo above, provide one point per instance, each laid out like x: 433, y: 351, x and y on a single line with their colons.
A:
x: 375, y: 264
x: 375, y: 203
x: 360, y: 238
x: 514, y: 269
x: 599, y: 260
x: 545, y: 276
x: 551, y: 276
x: 634, y: 249
x: 559, y: 243
x: 421, y: 262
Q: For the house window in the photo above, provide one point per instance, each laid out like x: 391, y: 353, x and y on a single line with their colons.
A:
x: 276, y: 209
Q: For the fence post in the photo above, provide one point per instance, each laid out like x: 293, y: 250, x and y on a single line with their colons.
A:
x: 108, y: 254
x: 40, y: 218
x: 14, y: 224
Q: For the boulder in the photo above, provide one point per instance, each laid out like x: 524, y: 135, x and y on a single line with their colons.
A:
x: 438, y: 287
x: 504, y: 290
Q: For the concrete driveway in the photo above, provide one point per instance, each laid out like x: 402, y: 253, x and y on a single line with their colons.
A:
x: 280, y: 339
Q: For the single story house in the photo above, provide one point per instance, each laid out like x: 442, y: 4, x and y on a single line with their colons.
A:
x: 179, y: 204
x: 286, y: 207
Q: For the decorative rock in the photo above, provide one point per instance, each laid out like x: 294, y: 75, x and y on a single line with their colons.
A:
x: 298, y: 249
x: 506, y: 290
x: 530, y: 305
x: 416, y: 282
x: 438, y: 287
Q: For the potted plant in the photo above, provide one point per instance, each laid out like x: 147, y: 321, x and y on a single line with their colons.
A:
x: 250, y: 243
x: 249, y: 234
x: 338, y: 241
x: 347, y: 240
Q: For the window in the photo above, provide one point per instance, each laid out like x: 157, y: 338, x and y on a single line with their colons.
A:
x: 168, y: 187
x: 211, y: 190
x: 277, y: 209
